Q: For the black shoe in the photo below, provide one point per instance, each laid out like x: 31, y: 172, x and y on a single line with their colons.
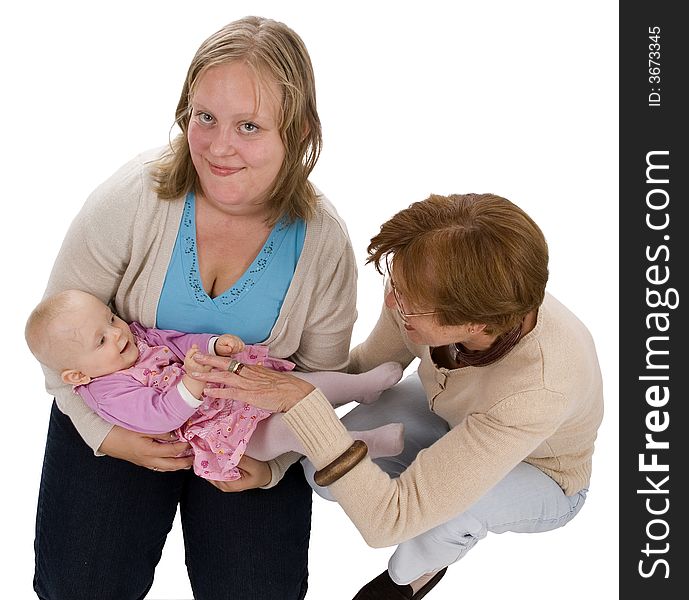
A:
x: 384, y: 588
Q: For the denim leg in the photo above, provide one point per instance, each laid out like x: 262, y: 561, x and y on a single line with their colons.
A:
x: 403, y: 403
x: 251, y: 545
x: 100, y: 522
x: 525, y: 501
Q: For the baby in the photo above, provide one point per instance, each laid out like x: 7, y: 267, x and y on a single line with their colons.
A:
x: 138, y: 378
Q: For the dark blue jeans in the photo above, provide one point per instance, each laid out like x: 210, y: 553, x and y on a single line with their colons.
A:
x: 101, y: 524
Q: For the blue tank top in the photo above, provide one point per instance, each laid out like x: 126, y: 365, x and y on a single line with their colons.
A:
x: 251, y: 306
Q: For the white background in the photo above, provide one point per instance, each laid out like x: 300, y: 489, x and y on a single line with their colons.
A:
x: 515, y: 98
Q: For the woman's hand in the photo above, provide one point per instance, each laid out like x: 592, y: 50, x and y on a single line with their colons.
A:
x: 255, y: 473
x: 275, y: 391
x: 147, y: 450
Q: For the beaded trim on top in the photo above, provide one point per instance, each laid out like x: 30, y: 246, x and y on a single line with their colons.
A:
x: 481, y: 358
x: 246, y: 281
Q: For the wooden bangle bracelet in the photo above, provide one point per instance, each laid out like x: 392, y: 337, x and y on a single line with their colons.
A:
x: 344, y: 463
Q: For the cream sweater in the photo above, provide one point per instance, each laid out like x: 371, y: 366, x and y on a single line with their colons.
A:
x: 541, y: 403
x: 118, y: 248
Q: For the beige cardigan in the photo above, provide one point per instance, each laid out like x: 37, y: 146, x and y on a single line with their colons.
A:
x: 118, y: 248
x: 541, y: 403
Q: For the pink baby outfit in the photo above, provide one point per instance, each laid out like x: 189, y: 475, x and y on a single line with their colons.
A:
x: 220, y: 429
x: 147, y: 398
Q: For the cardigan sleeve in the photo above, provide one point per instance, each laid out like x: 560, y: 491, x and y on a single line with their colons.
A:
x: 92, y: 258
x: 327, y: 333
x: 444, y: 479
x: 331, y: 306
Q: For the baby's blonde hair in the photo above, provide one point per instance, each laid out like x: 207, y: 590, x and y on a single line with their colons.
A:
x: 38, y: 330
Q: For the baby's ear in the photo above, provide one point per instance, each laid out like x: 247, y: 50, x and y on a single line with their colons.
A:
x: 74, y: 377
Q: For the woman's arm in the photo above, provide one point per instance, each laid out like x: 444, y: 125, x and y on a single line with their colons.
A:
x: 146, y: 450
x: 443, y: 481
x: 94, y: 255
x: 316, y: 329
x: 92, y: 258
x: 326, y: 336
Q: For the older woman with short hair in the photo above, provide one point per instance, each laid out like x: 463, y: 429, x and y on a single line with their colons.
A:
x: 501, y: 416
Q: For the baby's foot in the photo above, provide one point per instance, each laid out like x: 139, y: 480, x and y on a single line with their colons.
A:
x: 379, y: 379
x: 387, y: 440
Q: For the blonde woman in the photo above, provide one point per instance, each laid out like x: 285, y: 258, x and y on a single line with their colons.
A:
x: 219, y: 231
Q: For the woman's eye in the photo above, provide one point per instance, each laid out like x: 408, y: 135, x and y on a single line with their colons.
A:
x: 249, y: 127
x: 204, y: 117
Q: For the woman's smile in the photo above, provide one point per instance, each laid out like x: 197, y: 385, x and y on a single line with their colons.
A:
x: 221, y: 171
x: 235, y: 129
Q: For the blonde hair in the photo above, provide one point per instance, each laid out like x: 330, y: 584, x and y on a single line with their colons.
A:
x: 271, y: 50
x: 38, y: 329
x: 475, y: 258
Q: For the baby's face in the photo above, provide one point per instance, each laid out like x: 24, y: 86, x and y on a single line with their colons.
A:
x: 98, y: 341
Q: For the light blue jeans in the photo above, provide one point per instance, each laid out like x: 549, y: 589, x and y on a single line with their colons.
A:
x: 525, y: 501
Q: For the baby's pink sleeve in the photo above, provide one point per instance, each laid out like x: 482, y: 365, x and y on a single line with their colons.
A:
x: 177, y: 341
x: 124, y: 401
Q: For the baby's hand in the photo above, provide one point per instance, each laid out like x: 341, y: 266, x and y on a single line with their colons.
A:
x: 227, y: 345
x: 190, y: 365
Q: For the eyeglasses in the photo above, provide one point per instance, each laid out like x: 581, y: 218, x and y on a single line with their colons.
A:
x: 398, y: 300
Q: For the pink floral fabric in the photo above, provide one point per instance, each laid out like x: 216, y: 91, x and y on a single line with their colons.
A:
x: 220, y: 430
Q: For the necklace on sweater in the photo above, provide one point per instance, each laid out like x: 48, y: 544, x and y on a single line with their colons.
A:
x: 481, y: 358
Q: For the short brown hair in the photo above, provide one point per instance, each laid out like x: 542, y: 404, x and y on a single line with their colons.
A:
x: 271, y: 50
x: 475, y: 258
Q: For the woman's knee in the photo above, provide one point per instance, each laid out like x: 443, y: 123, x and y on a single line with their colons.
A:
x: 435, y: 549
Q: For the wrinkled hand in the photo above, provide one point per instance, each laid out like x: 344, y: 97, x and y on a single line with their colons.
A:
x: 227, y: 345
x: 145, y: 450
x: 276, y: 391
x: 254, y: 474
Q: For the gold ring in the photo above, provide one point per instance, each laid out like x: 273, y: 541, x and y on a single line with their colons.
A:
x: 235, y: 367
